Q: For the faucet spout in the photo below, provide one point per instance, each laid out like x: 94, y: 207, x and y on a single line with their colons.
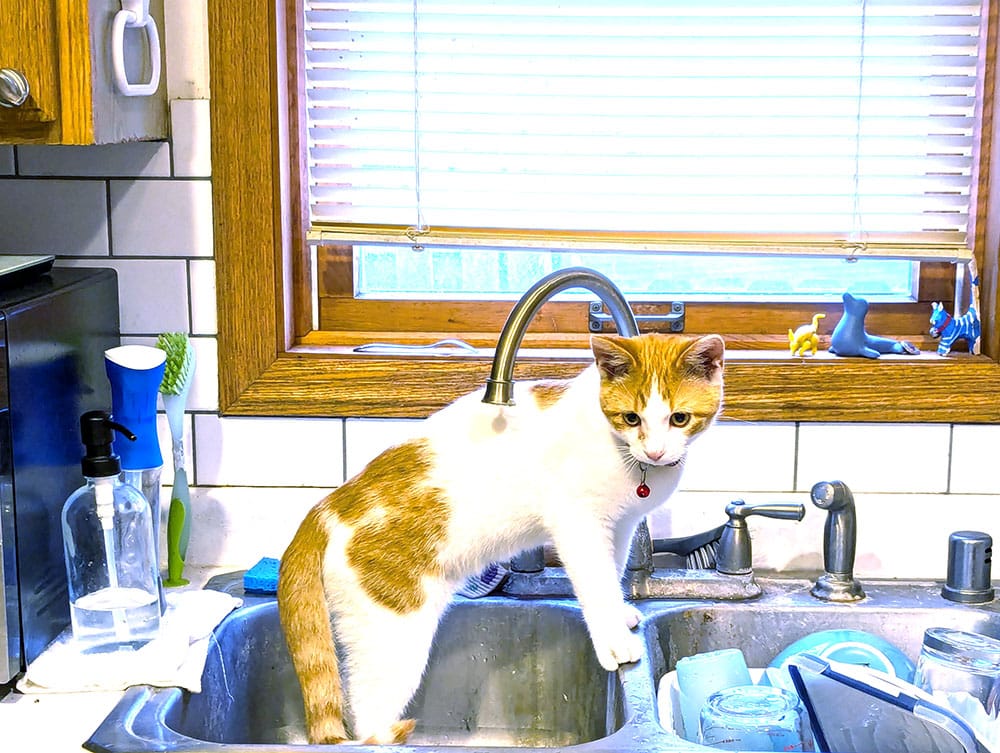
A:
x: 500, y: 385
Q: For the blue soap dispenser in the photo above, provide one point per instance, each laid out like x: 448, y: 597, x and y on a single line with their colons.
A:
x: 108, y: 541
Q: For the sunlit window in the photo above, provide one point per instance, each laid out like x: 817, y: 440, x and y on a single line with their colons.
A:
x: 504, y: 139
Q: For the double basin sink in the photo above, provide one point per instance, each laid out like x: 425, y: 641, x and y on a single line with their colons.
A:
x: 517, y: 673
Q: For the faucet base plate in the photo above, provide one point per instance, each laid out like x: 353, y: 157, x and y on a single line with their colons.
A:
x: 830, y: 587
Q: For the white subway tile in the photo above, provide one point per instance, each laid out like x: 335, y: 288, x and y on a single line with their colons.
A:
x: 268, y: 451
x: 136, y: 159
x: 152, y: 293
x: 42, y: 216
x: 366, y: 438
x: 161, y: 217
x: 190, y: 131
x: 906, y: 535
x: 742, y: 457
x: 6, y: 160
x: 236, y: 526
x: 204, y: 320
x: 875, y: 457
x: 973, y: 459
x: 204, y: 395
x: 185, y: 32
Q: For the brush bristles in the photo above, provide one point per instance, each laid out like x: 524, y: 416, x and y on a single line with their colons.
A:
x: 179, y: 368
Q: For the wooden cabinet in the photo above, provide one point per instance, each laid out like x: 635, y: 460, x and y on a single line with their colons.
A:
x: 63, y: 48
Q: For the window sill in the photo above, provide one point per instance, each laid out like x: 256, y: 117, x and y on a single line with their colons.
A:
x: 760, y: 385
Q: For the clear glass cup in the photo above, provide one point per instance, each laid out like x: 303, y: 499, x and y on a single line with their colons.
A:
x: 955, y: 660
x: 701, y: 675
x: 754, y: 717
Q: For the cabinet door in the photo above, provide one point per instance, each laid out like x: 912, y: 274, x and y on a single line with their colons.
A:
x: 29, y: 43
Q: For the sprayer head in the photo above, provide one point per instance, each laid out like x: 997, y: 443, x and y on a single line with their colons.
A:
x: 832, y: 495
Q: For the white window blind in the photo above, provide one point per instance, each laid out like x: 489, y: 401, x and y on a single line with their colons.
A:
x: 820, y: 126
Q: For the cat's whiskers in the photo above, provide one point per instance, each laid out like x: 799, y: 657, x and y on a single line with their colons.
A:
x: 630, y: 461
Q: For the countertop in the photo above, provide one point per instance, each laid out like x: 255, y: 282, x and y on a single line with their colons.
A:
x: 62, y: 722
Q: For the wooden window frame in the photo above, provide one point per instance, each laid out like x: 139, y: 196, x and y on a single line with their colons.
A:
x: 271, y: 363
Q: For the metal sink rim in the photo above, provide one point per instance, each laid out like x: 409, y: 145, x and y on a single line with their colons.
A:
x: 137, y: 723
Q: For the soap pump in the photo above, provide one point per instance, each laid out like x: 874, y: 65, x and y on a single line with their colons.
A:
x: 108, y: 541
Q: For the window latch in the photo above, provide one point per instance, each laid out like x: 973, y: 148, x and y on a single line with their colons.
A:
x: 597, y: 319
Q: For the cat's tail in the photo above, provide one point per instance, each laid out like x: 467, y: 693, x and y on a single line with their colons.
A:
x: 305, y: 618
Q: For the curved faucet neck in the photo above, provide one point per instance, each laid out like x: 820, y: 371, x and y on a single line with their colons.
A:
x: 500, y: 385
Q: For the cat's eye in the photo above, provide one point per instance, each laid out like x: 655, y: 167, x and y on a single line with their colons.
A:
x: 680, y: 419
x: 632, y: 419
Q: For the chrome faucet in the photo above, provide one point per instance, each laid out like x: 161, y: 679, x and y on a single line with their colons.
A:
x: 500, y: 385
x: 735, y: 556
x: 839, y: 543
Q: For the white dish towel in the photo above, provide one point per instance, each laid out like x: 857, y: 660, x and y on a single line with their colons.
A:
x: 175, y: 658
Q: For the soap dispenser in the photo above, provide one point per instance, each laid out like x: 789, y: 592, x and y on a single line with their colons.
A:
x: 108, y: 541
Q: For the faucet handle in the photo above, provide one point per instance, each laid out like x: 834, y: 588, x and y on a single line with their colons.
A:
x: 740, y: 510
x: 735, y: 556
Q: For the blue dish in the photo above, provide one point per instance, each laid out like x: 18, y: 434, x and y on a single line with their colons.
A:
x: 851, y: 647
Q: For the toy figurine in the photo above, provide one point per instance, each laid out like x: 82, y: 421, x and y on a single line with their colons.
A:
x: 804, y: 341
x: 949, y: 329
x: 849, y: 337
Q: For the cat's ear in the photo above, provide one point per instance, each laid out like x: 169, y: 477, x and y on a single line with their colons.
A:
x: 705, y: 357
x: 613, y: 357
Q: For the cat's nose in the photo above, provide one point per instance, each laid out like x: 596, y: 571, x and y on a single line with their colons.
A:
x: 655, y: 455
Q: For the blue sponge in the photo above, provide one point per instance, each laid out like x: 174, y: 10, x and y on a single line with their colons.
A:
x: 262, y: 578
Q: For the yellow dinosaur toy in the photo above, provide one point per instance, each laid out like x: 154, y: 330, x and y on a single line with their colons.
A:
x: 805, y: 341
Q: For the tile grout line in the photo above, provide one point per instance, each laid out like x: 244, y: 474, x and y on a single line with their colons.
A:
x: 343, y: 450
x: 795, y: 458
x: 951, y: 457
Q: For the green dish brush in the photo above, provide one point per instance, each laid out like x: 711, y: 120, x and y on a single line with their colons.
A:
x: 178, y: 374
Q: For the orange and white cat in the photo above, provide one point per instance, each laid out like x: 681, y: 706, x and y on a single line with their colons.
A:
x: 373, y: 567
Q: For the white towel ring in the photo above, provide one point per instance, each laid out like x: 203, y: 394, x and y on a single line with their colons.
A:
x: 134, y: 15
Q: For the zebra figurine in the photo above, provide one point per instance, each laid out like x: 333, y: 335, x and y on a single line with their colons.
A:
x: 949, y: 329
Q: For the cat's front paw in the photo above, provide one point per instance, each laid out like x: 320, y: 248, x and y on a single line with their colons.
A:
x: 625, y: 647
x: 632, y: 616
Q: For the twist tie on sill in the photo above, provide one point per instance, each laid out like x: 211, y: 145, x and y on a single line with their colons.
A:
x: 390, y: 347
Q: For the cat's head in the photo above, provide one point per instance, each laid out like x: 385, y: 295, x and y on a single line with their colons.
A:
x: 658, y: 392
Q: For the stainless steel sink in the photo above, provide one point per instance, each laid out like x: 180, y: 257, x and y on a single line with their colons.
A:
x: 762, y: 629
x: 509, y: 673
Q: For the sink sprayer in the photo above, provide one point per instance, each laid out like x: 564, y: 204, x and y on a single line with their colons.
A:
x: 839, y: 542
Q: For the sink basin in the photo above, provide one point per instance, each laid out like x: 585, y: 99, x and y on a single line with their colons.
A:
x: 516, y: 673
x: 502, y: 673
x: 762, y: 629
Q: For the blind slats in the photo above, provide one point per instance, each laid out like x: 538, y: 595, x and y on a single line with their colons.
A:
x: 636, y: 117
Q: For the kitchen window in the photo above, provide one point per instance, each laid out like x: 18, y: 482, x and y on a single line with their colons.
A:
x: 281, y: 356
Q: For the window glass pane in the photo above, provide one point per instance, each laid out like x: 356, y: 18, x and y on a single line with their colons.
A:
x: 394, y: 272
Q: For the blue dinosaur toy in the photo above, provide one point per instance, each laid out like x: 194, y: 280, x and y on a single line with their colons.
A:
x: 950, y: 328
x: 849, y: 337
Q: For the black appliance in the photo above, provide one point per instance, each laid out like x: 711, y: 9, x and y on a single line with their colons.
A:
x: 55, y: 324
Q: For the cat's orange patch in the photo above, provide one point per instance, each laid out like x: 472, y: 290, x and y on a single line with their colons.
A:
x: 676, y: 364
x: 547, y: 393
x: 399, y: 523
x: 306, y: 624
x: 399, y: 733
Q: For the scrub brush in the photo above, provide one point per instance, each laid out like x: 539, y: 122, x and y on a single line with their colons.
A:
x: 177, y: 377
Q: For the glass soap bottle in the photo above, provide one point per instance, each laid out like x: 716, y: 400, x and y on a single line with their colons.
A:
x: 108, y: 541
